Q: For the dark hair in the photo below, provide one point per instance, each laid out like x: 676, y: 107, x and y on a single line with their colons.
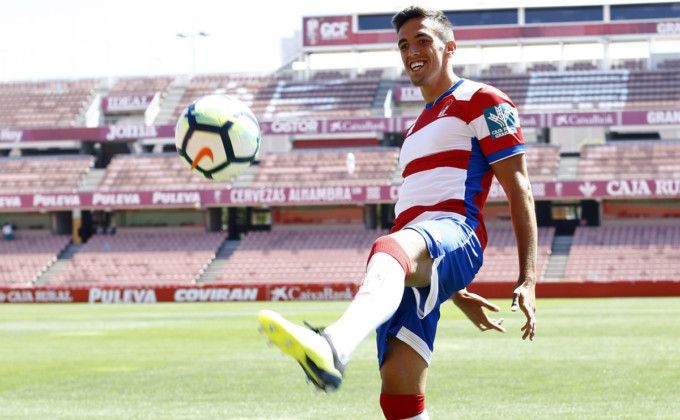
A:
x: 444, y: 28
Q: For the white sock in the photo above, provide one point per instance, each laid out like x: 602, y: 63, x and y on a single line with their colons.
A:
x: 421, y: 416
x: 377, y: 299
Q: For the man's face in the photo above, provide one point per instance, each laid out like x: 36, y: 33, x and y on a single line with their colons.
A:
x: 423, y: 53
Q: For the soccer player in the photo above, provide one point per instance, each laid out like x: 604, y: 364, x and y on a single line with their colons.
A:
x: 467, y: 133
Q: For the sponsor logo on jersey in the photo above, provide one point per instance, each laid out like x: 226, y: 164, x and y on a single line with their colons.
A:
x: 502, y: 119
x: 445, y: 108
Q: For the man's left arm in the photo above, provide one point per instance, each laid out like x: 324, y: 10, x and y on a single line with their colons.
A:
x: 511, y: 173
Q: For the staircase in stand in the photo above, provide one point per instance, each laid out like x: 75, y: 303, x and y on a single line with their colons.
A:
x: 557, y: 263
x: 62, y: 260
x: 215, y: 268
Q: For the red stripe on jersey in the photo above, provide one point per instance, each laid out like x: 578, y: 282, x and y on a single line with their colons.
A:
x: 490, y: 146
x: 405, y: 217
x: 484, y: 98
x: 450, y: 159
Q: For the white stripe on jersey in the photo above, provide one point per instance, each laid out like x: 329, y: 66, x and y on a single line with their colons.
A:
x: 480, y: 127
x: 441, y: 135
x: 431, y: 215
x: 465, y: 91
x: 430, y: 187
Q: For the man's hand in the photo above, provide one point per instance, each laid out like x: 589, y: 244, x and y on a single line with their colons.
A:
x: 524, y: 298
x: 473, y: 306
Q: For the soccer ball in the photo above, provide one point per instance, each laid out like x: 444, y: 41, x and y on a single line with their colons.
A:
x: 217, y: 136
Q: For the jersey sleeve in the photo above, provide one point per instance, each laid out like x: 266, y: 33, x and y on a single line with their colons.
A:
x: 495, y: 122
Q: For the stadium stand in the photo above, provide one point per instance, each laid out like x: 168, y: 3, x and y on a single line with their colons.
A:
x: 543, y: 162
x: 23, y: 259
x: 632, y: 65
x: 630, y: 160
x: 543, y: 87
x: 324, y: 96
x: 151, y: 172
x: 538, y: 67
x: 340, y: 256
x: 374, y: 166
x: 565, y: 90
x: 324, y: 256
x: 43, y: 174
x: 631, y: 251
x: 581, y: 66
x: 145, y: 256
x: 497, y: 70
x: 648, y: 89
x: 54, y: 103
x: 671, y: 64
x: 500, y: 256
x: 140, y: 85
x: 254, y: 91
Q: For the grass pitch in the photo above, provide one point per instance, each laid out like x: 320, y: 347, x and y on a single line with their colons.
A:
x: 593, y: 358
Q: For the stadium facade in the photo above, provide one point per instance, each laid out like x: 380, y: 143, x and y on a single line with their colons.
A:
x: 105, y: 212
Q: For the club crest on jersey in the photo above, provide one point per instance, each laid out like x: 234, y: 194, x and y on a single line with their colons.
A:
x: 502, y: 119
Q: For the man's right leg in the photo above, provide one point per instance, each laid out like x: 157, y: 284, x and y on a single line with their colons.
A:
x: 392, y: 259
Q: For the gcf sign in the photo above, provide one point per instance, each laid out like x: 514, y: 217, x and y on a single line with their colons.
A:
x: 333, y: 30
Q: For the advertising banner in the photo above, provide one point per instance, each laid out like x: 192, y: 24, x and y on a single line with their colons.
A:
x: 338, y: 30
x: 140, y: 294
x: 126, y: 103
x: 660, y: 117
x: 322, y: 195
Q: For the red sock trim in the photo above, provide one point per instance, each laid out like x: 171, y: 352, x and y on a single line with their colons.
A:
x: 397, y: 407
x: 389, y: 245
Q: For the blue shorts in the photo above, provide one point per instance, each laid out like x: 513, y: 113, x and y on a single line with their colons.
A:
x: 457, y: 256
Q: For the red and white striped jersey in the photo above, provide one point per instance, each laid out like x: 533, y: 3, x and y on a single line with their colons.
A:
x: 447, y: 154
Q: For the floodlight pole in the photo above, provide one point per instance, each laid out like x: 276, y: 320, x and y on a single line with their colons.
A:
x: 192, y: 36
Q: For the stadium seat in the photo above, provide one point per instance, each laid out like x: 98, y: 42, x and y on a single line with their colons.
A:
x: 626, y: 250
x: 43, y: 174
x: 146, y: 256
x: 23, y: 259
x: 500, y: 257
x: 624, y: 160
x: 300, y: 256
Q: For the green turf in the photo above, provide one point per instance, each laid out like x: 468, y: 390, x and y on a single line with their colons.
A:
x: 597, y: 358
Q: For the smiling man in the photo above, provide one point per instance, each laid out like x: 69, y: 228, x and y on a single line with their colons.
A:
x: 467, y: 133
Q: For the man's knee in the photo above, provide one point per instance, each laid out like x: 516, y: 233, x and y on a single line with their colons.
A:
x: 388, y: 245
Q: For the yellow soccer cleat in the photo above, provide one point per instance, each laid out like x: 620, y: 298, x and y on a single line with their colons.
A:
x: 311, y: 348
